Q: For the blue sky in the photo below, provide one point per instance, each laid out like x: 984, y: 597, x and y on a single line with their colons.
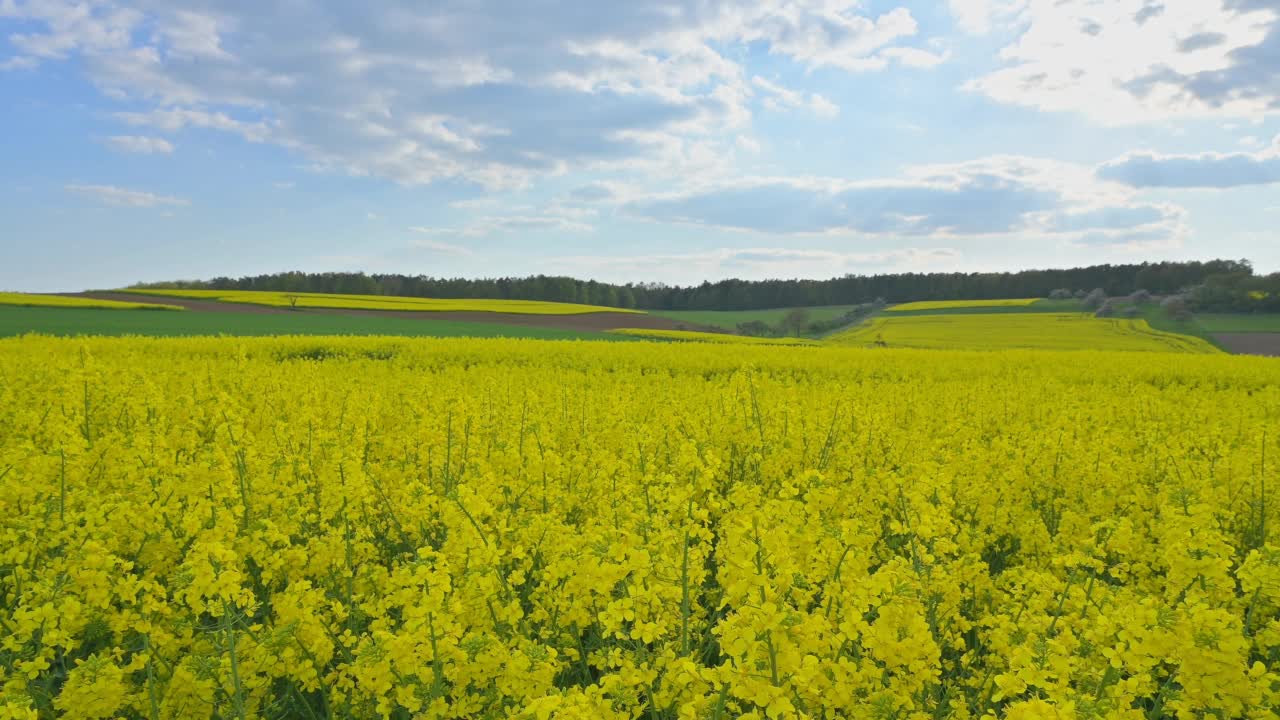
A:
x: 669, y: 141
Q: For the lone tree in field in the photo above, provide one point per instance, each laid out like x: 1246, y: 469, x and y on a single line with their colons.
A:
x: 293, y: 301
x: 1095, y: 299
x: 1175, y: 306
x: 794, y: 322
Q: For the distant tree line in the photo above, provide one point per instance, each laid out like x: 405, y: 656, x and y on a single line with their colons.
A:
x: 1161, y: 278
x: 1235, y: 292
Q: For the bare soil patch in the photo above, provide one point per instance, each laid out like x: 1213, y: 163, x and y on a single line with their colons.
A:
x: 586, y: 322
x: 1250, y: 343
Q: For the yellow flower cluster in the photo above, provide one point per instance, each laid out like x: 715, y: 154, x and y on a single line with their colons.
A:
x: 396, y: 528
x: 274, y: 298
x: 712, y: 337
x: 960, y: 304
x: 65, y: 301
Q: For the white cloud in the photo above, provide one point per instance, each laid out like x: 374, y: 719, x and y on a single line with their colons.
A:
x: 978, y: 16
x: 124, y: 197
x: 830, y: 34
x: 191, y: 35
x: 485, y: 202
x: 492, y: 92
x: 755, y: 263
x: 140, y: 144
x: 20, y: 63
x: 437, y: 246
x: 557, y: 218
x: 915, y: 57
x: 610, y: 191
x: 992, y: 197
x: 450, y: 132
x: 823, y: 107
x: 778, y: 99
x: 1135, y: 61
x: 173, y: 120
x: 69, y: 27
x: 1205, y: 170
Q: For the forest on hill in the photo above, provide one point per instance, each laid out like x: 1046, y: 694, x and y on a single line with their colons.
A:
x: 1214, y: 284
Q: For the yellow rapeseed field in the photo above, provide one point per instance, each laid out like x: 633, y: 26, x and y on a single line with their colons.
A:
x: 960, y: 304
x: 383, y: 302
x: 1031, y: 331
x: 56, y: 301
x: 692, y: 336
x: 397, y: 528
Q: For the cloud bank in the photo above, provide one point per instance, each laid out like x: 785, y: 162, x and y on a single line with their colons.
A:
x: 1133, y: 61
x: 1205, y: 170
x: 756, y: 263
x: 140, y: 144
x: 996, y: 196
x: 497, y: 92
x: 124, y: 197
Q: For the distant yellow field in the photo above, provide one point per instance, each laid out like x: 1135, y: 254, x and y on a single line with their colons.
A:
x: 957, y: 304
x: 383, y: 302
x: 692, y: 336
x: 1033, y: 331
x: 28, y: 300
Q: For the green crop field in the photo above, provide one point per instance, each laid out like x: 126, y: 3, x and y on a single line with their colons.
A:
x: 1043, y: 331
x: 1160, y: 320
x: 1239, y: 323
x: 75, y: 321
x: 730, y: 319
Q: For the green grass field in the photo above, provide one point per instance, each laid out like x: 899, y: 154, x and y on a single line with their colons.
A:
x: 1239, y: 323
x: 75, y: 321
x: 1158, y: 319
x: 730, y: 319
x: 1042, y: 331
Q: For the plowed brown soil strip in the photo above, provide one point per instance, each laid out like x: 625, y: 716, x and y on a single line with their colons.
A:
x: 586, y: 322
x: 1250, y: 343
